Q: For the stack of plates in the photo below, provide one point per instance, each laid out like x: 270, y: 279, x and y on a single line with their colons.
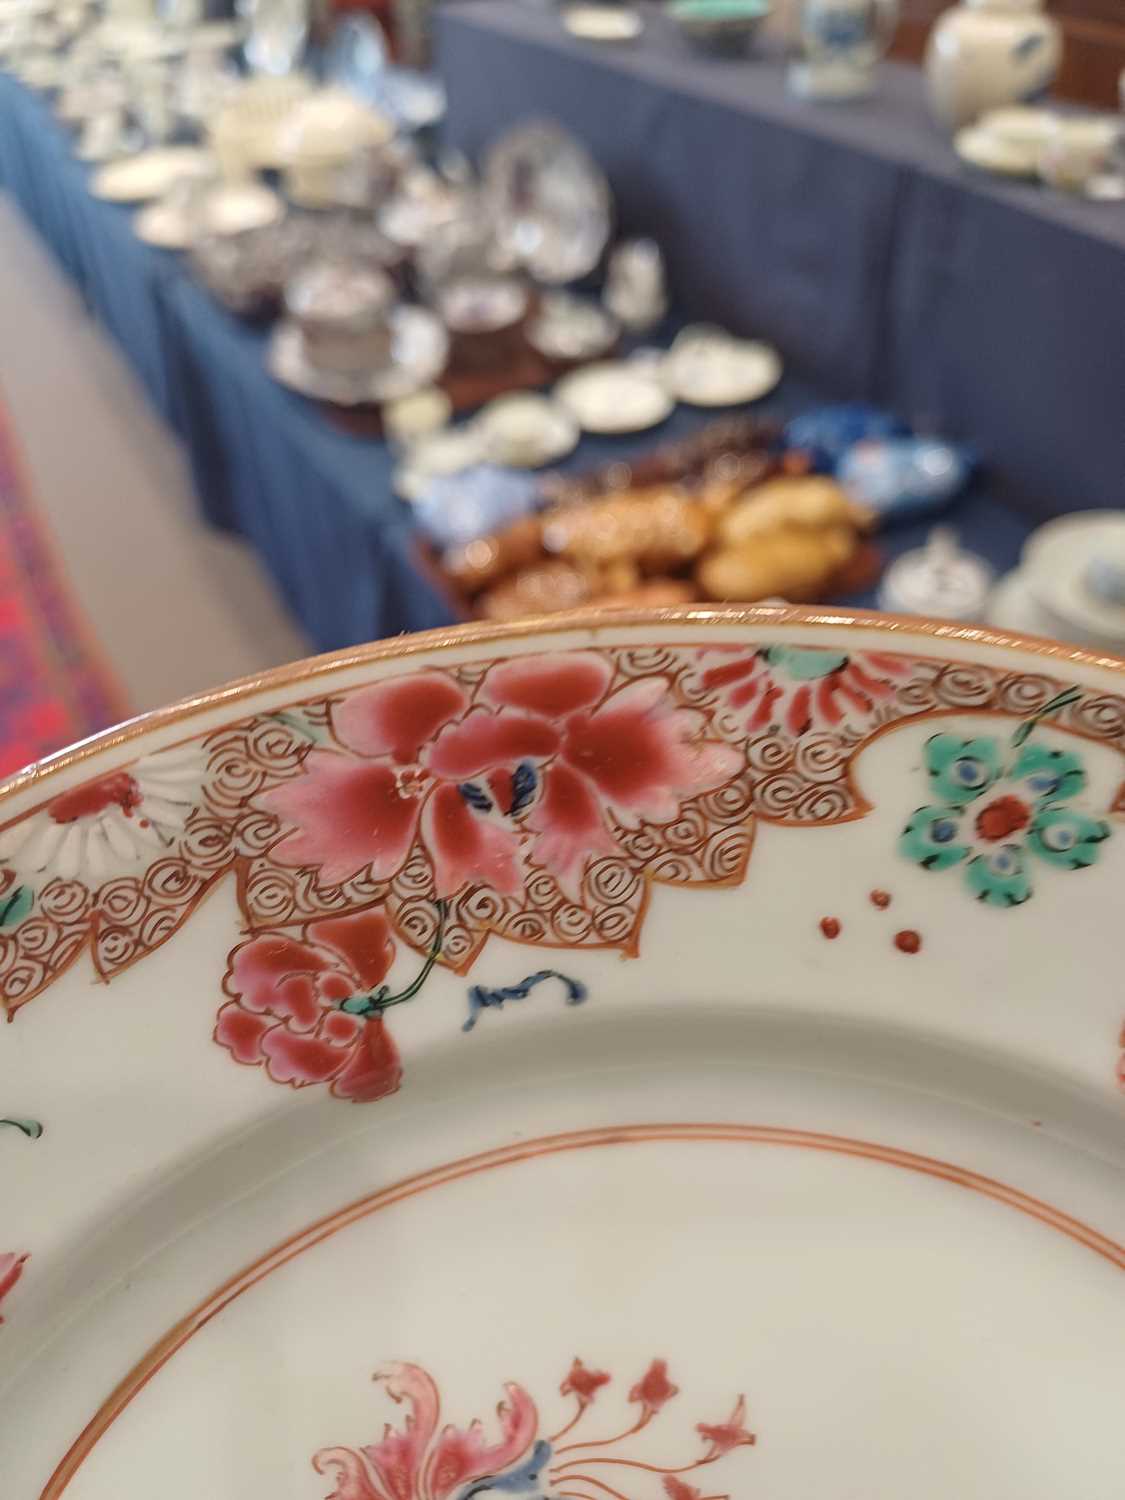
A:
x: 1070, y: 583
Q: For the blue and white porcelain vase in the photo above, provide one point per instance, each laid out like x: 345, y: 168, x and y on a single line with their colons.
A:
x: 842, y: 40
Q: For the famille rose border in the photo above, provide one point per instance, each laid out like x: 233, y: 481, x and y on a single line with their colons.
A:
x: 524, y: 1151
x: 488, y: 795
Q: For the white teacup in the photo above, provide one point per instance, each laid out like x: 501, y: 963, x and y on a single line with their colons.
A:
x: 1076, y: 151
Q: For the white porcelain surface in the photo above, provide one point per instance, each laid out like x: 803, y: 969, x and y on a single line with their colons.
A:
x: 251, y: 123
x: 1076, y: 151
x: 1022, y: 125
x: 842, y: 41
x: 526, y: 431
x: 1069, y: 565
x: 988, y: 152
x: 615, y: 396
x: 148, y: 174
x: 330, y: 126
x: 780, y: 1203
x: 992, y: 53
x: 163, y: 225
x: 602, y: 23
x: 438, y: 454
x: 549, y: 200
x: 421, y: 415
x: 215, y: 36
x: 566, y: 327
x: 419, y: 349
x: 482, y: 304
x: 235, y: 208
x: 940, y: 579
x: 708, y: 367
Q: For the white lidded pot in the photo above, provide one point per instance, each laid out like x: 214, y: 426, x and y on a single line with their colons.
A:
x: 986, y: 53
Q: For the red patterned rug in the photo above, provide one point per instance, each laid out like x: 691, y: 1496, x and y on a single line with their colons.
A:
x: 55, y: 686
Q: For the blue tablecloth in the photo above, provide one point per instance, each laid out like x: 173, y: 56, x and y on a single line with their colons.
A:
x: 850, y: 235
x: 315, y: 502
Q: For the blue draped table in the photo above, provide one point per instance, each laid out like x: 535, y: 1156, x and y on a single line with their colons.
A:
x: 315, y: 502
x: 850, y: 235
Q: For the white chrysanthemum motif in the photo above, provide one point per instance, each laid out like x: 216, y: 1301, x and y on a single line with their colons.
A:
x: 112, y: 826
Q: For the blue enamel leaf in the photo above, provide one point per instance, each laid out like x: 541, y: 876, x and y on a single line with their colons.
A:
x: 481, y: 998
x: 475, y: 796
x: 522, y: 1480
x: 524, y: 783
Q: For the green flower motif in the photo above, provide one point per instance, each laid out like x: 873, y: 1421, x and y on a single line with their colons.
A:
x: 998, y: 807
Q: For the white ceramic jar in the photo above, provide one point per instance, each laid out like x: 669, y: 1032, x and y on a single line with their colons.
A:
x: 987, y: 53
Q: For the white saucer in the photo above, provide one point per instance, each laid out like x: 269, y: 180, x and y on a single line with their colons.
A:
x: 567, y: 327
x: 237, y: 207
x: 1056, y: 566
x: 706, y: 367
x: 614, y: 397
x: 440, y: 454
x: 602, y: 23
x: 1025, y: 127
x: 526, y: 431
x: 150, y: 174
x: 161, y: 225
x: 419, y: 347
x: 988, y: 152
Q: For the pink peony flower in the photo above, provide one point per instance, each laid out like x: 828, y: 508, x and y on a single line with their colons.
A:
x: 540, y: 767
x: 417, y: 1462
x: 284, y: 1012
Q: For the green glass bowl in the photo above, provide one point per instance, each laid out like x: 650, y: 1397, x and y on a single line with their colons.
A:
x: 725, y: 27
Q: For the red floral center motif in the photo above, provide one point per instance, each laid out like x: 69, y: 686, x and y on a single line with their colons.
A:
x: 1000, y: 819
x: 412, y: 781
x: 89, y: 800
x: 425, y: 1459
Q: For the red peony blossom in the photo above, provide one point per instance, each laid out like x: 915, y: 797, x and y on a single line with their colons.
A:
x: 654, y: 1390
x: 285, y: 1016
x: 583, y: 1383
x: 536, y: 768
x: 724, y: 1436
x: 11, y: 1269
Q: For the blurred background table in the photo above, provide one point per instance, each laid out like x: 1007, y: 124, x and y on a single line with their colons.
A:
x: 848, y: 234
x: 746, y: 242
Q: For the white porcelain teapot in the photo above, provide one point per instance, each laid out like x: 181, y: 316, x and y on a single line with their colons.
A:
x: 986, y: 53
